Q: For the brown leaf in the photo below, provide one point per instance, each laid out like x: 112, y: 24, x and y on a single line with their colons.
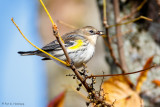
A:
x: 118, y: 92
x: 143, y: 75
x: 156, y: 82
x: 58, y: 101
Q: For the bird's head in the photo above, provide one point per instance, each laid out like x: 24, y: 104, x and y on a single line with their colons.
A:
x: 90, y: 33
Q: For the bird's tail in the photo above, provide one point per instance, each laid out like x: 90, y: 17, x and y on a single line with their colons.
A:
x: 26, y: 53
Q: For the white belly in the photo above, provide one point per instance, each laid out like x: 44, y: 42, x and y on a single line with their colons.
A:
x: 82, y: 56
x: 78, y: 57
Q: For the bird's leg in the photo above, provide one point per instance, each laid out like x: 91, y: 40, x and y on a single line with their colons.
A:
x: 82, y: 73
x: 84, y: 65
x: 84, y: 70
x: 72, y: 62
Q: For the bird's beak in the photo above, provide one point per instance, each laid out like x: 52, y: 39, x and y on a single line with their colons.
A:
x: 100, y: 33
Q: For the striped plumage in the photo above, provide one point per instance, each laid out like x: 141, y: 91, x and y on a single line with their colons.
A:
x: 80, y: 45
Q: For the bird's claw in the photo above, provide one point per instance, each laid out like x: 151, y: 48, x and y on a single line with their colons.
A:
x: 72, y: 62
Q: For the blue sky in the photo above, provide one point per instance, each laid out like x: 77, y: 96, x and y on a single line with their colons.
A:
x: 22, y: 79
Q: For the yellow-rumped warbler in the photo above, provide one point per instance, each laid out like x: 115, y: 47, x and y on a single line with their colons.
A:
x: 80, y: 45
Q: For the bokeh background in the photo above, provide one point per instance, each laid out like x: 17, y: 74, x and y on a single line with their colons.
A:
x: 28, y: 80
x: 78, y: 13
x: 23, y: 80
x: 31, y: 82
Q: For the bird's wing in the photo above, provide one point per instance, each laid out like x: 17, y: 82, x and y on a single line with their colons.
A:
x: 54, y: 45
x: 70, y: 40
x: 72, y: 37
x: 74, y: 41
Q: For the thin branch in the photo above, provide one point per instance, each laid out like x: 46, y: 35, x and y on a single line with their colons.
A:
x: 79, y: 77
x: 134, y: 11
x: 66, y: 24
x: 36, y: 46
x: 112, y: 53
x: 131, y: 21
x: 110, y: 46
x: 108, y: 38
x: 121, y: 74
x: 47, y: 12
x: 101, y: 85
x: 58, y: 37
x: 105, y: 13
x: 118, y: 34
x: 56, y: 34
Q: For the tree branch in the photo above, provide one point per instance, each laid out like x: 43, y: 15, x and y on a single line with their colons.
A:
x: 119, y: 38
x: 134, y: 11
x: 121, y: 74
x: 79, y: 77
x: 105, y: 23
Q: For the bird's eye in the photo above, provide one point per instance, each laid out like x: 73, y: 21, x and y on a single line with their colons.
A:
x: 91, y: 31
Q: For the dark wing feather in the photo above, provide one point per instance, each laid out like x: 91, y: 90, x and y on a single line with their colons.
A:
x: 54, y: 45
x: 69, y: 40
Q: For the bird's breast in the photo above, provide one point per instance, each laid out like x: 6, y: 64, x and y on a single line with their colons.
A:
x: 82, y: 55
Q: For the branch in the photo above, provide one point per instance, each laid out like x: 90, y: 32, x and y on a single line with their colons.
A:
x: 66, y: 24
x: 121, y: 74
x: 108, y: 38
x: 112, y: 53
x: 118, y: 34
x: 105, y: 14
x: 131, y: 21
x: 134, y: 11
x: 109, y: 43
x: 36, y: 46
x: 58, y: 37
x: 56, y: 34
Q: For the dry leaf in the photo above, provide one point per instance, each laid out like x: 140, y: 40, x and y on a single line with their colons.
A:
x: 58, y: 101
x: 156, y: 82
x: 118, y: 92
x: 143, y: 75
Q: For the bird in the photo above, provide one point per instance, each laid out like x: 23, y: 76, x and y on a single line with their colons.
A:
x: 80, y: 45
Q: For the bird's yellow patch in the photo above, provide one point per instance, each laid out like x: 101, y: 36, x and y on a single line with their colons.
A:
x: 79, y: 43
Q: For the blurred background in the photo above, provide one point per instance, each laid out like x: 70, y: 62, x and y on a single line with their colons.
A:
x: 23, y: 80
x: 31, y: 82
x: 28, y: 81
x: 78, y: 13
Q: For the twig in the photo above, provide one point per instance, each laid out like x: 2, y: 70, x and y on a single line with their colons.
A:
x: 109, y: 44
x: 134, y: 11
x: 101, y: 85
x: 120, y: 74
x: 36, y: 46
x: 58, y: 37
x: 56, y: 34
x: 119, y: 38
x: 68, y: 64
x: 105, y: 13
x: 131, y: 21
x: 108, y: 38
x: 66, y: 24
x: 112, y: 53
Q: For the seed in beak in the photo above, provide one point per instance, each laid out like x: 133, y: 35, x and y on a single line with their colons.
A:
x: 100, y: 33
